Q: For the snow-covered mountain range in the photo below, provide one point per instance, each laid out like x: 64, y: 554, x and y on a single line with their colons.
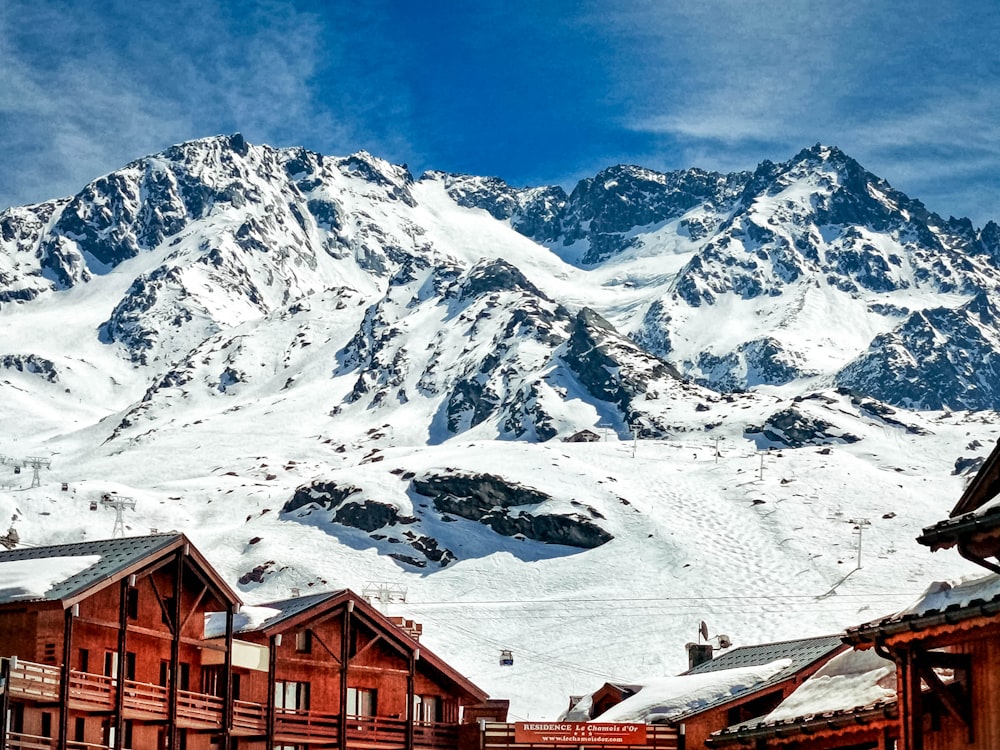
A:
x: 330, y: 373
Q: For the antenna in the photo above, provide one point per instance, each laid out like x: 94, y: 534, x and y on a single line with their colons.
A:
x: 36, y: 463
x: 384, y: 593
x: 120, y: 504
x: 721, y: 641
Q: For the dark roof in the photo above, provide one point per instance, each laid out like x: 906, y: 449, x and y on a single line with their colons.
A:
x: 802, y: 652
x: 289, y: 608
x: 117, y: 558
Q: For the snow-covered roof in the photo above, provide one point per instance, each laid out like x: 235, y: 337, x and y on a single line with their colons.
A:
x: 62, y: 571
x: 851, y: 682
x: 673, y: 698
x: 942, y: 601
x: 853, y: 679
x: 714, y: 682
x: 33, y: 579
x: 248, y: 619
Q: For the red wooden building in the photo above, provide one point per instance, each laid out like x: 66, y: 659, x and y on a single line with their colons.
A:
x: 105, y: 643
x: 848, y: 704
x: 740, y: 684
x: 330, y: 670
x: 129, y: 643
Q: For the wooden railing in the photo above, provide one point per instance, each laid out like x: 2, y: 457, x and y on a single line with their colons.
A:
x: 376, y: 731
x: 29, y: 681
x: 21, y: 741
x: 91, y: 691
x: 434, y: 735
x: 34, y: 682
x: 249, y: 718
x: 290, y: 724
x: 199, y: 710
x: 364, y: 731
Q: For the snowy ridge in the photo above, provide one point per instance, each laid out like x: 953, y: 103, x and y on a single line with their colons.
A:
x: 328, y: 373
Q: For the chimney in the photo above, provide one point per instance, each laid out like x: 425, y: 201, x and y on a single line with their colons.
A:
x: 698, y: 653
x: 411, y: 628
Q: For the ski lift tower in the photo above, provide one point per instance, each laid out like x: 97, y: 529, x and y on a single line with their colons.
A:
x: 384, y: 593
x: 36, y: 463
x: 120, y: 504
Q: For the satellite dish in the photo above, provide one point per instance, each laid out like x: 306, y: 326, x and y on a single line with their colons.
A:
x: 703, y: 630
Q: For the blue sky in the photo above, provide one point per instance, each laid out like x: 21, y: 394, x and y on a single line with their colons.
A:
x: 533, y: 91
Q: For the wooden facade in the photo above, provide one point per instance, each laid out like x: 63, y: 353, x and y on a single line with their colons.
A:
x: 117, y: 656
x: 340, y: 674
x: 865, y: 728
x: 116, y: 660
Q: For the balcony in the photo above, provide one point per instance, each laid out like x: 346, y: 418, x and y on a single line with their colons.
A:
x: 21, y: 741
x: 97, y: 694
x: 39, y: 683
x: 363, y: 732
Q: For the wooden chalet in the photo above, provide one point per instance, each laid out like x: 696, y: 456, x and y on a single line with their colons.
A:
x: 329, y: 670
x: 742, y: 683
x: 104, y: 643
x: 947, y: 645
x: 130, y: 644
x: 848, y: 704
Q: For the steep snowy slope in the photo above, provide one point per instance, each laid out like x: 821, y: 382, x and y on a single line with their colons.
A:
x: 331, y: 374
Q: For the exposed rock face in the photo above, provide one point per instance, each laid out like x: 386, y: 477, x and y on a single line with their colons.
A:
x: 32, y: 364
x: 940, y: 358
x: 369, y: 516
x: 606, y: 208
x: 327, y: 495
x: 534, y: 212
x: 614, y: 369
x: 792, y: 428
x: 488, y: 499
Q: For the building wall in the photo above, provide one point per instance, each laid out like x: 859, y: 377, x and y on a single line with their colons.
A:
x: 951, y: 733
x: 374, y: 665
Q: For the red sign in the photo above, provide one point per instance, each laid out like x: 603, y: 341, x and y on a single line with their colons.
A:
x: 578, y: 733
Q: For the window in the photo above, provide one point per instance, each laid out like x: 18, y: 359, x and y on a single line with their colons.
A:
x: 16, y: 718
x: 303, y: 641
x: 291, y: 696
x: 130, y: 665
x: 426, y: 708
x: 110, y: 663
x: 46, y: 724
x: 84, y: 660
x: 361, y: 702
x: 185, y: 678
x: 132, y: 604
x: 211, y: 680
x: 49, y: 653
x: 79, y: 730
x: 164, y: 673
